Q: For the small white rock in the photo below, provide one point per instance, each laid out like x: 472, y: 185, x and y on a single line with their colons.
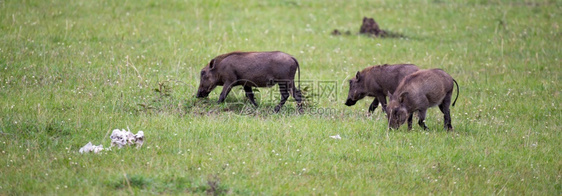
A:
x: 336, y: 137
x: 91, y: 148
x: 122, y: 138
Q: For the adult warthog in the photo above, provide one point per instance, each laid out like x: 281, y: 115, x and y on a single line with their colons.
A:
x: 251, y: 69
x: 377, y: 81
x: 419, y: 91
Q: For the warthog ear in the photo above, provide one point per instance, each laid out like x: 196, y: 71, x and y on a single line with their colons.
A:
x: 212, y: 64
x: 358, y: 76
x: 402, y: 96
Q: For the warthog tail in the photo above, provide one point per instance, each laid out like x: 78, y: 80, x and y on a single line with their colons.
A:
x: 457, y: 92
x: 298, y: 69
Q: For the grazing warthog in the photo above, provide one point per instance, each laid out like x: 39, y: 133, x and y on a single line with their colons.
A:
x: 418, y: 92
x: 377, y: 81
x: 251, y: 69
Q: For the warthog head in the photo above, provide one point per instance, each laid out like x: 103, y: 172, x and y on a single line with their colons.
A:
x: 357, y: 90
x: 397, y: 112
x: 209, y: 80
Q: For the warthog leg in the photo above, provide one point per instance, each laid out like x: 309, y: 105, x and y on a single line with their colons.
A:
x: 382, y: 100
x: 373, y: 105
x: 444, y: 107
x: 298, y: 96
x: 410, y: 118
x: 284, y: 90
x: 421, y: 121
x: 225, y: 90
x: 250, y: 95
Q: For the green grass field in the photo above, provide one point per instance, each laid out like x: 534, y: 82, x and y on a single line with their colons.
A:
x: 72, y: 71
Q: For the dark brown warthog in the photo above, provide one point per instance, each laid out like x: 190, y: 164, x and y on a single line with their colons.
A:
x: 418, y: 92
x: 377, y: 81
x: 251, y: 69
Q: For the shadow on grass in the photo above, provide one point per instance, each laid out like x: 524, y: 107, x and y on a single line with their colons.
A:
x: 170, y: 185
x: 163, y: 100
x: 386, y: 34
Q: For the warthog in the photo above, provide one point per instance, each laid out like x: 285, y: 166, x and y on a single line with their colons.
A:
x: 418, y: 92
x: 251, y: 69
x: 377, y: 81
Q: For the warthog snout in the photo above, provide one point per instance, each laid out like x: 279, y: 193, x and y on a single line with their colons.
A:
x: 396, y: 117
x: 350, y: 102
x: 201, y: 94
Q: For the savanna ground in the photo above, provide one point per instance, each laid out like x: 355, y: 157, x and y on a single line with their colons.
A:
x: 72, y: 71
